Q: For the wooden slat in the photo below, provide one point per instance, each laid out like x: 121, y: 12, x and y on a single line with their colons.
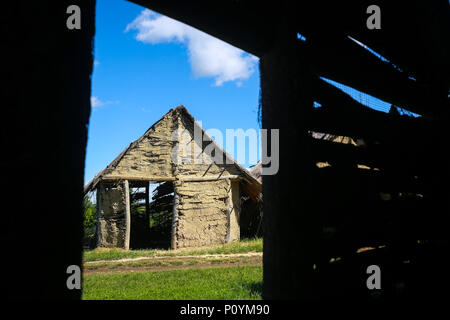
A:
x: 342, y: 60
x: 209, y: 178
x: 137, y: 178
x: 393, y: 157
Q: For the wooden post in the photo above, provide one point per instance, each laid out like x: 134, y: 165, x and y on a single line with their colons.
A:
x: 147, y: 205
x: 126, y: 190
x: 291, y: 225
x: 99, y: 197
x: 229, y: 199
x: 173, y: 242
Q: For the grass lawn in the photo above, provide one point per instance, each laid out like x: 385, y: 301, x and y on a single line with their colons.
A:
x: 244, y: 246
x: 233, y: 283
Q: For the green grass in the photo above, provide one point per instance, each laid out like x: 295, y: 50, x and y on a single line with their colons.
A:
x: 230, y: 283
x: 244, y: 246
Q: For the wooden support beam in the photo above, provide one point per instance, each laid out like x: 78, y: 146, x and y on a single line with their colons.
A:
x: 209, y: 178
x: 99, y: 206
x: 160, y: 178
x: 342, y: 115
x: 173, y: 242
x: 147, y: 205
x: 229, y: 204
x: 291, y: 225
x: 136, y: 178
x: 126, y: 190
x: 354, y: 66
x: 249, y: 17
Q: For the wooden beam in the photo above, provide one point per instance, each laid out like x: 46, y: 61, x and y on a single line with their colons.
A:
x: 147, y: 205
x: 99, y: 206
x: 160, y: 178
x: 136, y: 178
x: 342, y: 115
x: 229, y: 201
x: 126, y: 190
x: 249, y: 17
x: 173, y: 242
x: 342, y: 60
x: 209, y: 178
x: 291, y: 225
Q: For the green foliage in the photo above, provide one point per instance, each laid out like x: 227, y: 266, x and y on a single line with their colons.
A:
x: 138, y: 209
x: 230, y: 283
x: 90, y: 218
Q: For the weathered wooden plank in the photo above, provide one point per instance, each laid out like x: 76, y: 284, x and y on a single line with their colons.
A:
x: 137, y: 178
x: 209, y: 178
x: 161, y: 178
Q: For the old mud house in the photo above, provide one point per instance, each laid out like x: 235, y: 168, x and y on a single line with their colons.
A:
x: 190, y: 197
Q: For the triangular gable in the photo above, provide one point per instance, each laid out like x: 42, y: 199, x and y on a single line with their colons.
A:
x: 150, y: 155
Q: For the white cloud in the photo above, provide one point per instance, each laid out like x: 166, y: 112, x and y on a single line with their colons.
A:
x: 208, y: 56
x: 96, y: 102
x: 96, y: 63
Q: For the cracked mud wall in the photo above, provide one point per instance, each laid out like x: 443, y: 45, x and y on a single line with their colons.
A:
x: 202, y: 213
x: 150, y: 156
x: 112, y: 219
x: 204, y: 206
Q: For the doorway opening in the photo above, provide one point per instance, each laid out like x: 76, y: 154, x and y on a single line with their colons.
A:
x: 151, y: 212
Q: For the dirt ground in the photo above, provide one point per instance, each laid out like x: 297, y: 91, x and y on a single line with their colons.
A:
x: 142, y: 264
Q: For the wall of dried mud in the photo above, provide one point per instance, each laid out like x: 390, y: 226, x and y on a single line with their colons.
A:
x: 112, y: 220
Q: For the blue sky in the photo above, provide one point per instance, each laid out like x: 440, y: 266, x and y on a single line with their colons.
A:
x: 146, y: 64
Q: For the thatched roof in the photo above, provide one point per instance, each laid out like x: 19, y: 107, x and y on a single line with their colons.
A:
x: 250, y: 184
x: 256, y: 171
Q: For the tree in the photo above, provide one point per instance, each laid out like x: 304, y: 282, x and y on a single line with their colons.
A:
x: 90, y: 219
